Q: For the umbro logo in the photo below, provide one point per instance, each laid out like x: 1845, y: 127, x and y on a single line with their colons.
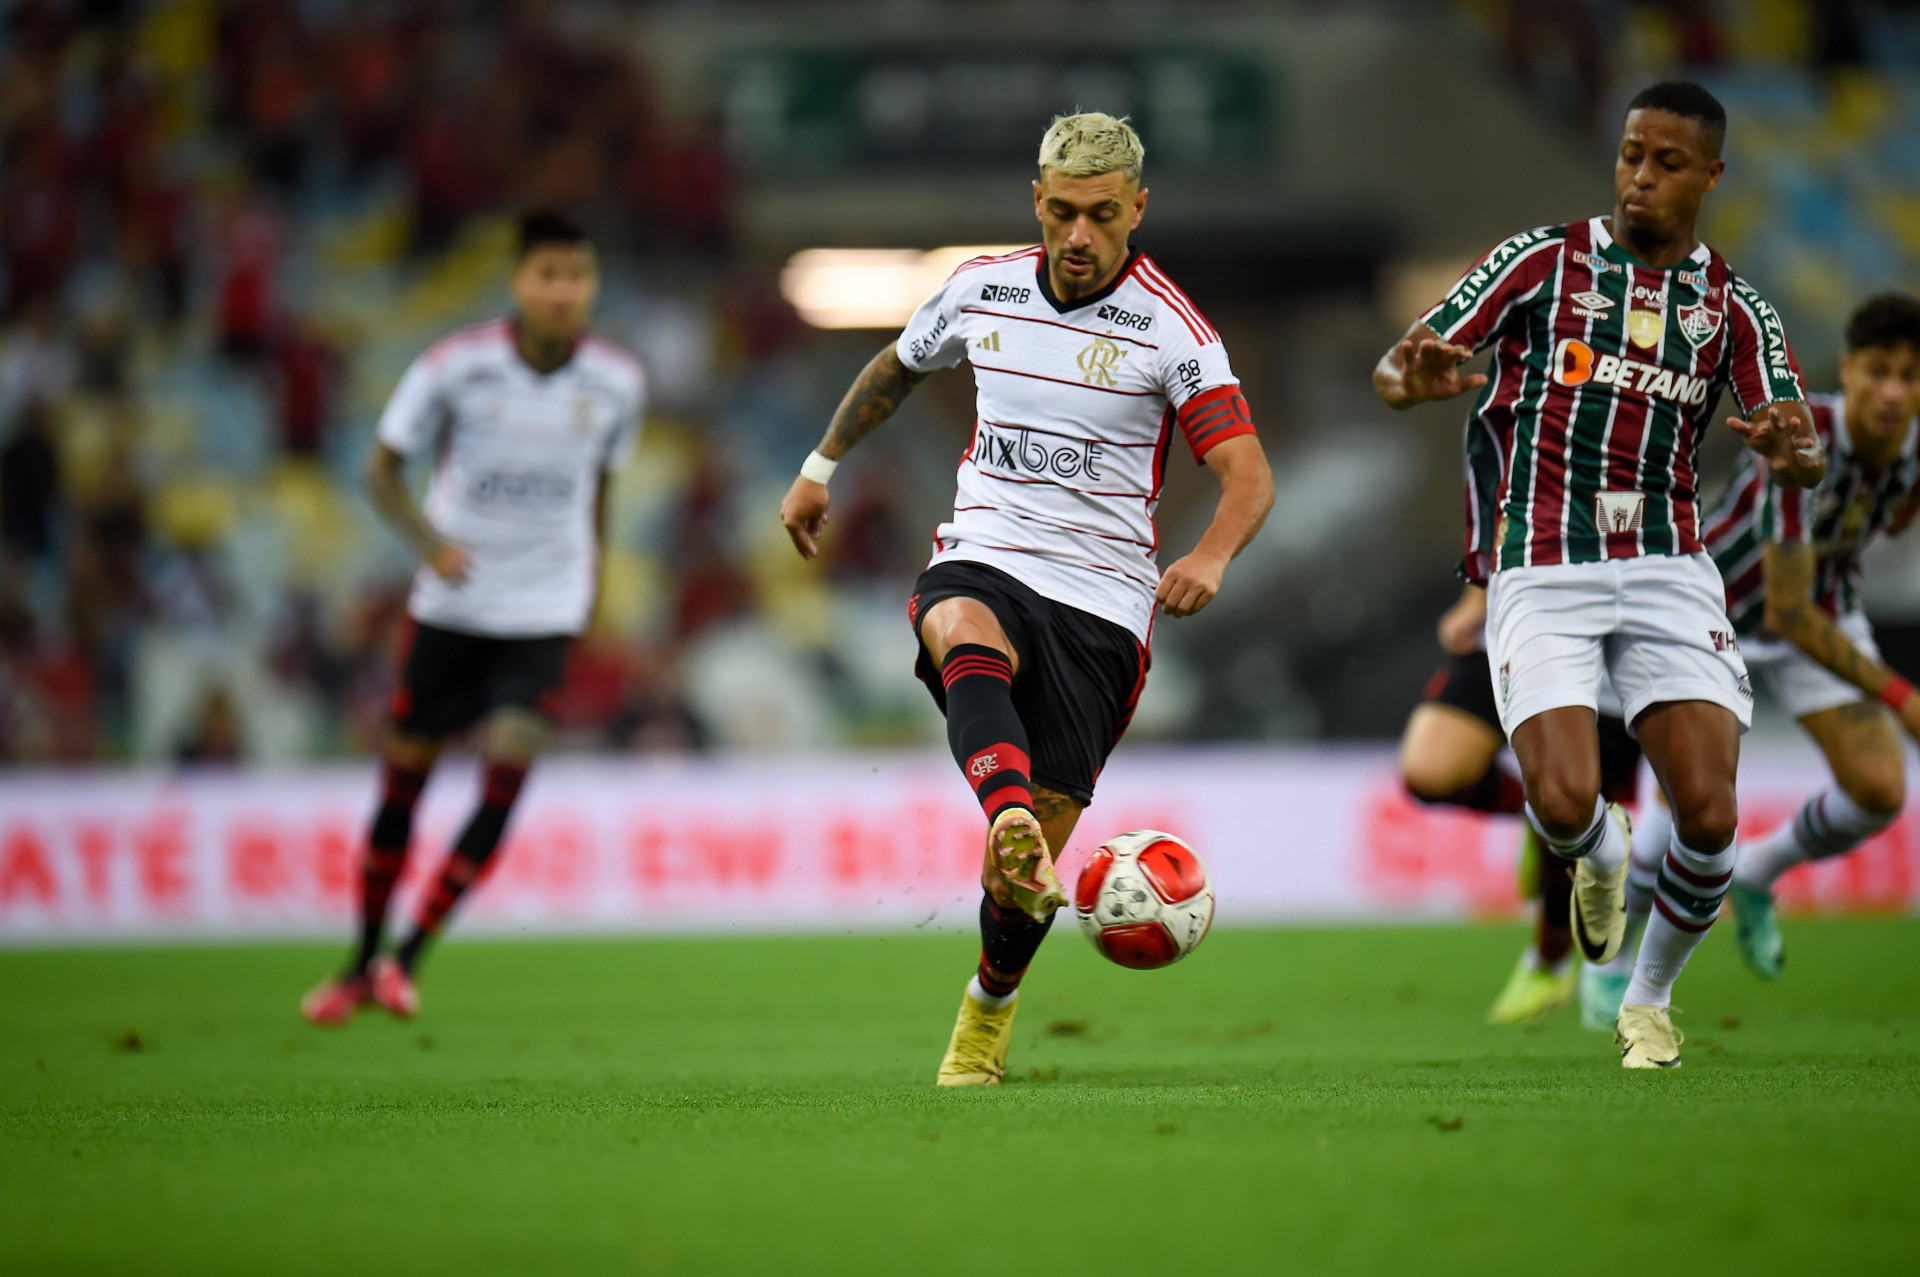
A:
x: 1593, y: 299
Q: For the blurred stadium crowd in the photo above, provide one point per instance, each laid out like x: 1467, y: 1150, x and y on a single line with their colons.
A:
x: 226, y: 225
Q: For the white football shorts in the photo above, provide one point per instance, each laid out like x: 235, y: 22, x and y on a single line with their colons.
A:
x: 1801, y: 684
x: 1656, y: 626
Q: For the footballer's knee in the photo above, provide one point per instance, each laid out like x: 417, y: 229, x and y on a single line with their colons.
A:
x: 1877, y: 786
x: 1705, y: 818
x: 1433, y: 780
x: 411, y: 752
x: 960, y: 621
x: 1563, y: 802
x: 516, y: 735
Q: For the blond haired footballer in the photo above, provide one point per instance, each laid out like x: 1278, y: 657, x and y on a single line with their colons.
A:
x: 1035, y: 614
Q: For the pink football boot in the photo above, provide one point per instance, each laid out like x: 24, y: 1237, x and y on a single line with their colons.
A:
x: 393, y: 988
x: 335, y: 1001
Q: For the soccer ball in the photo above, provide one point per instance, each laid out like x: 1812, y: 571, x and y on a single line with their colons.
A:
x: 1144, y: 900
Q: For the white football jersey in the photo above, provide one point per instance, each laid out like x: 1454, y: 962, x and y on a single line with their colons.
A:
x: 518, y: 459
x: 1076, y: 408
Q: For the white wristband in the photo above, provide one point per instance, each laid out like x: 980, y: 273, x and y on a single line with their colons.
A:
x: 818, y: 468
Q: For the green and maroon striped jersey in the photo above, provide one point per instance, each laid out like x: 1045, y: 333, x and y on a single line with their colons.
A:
x: 1852, y: 504
x: 1606, y: 373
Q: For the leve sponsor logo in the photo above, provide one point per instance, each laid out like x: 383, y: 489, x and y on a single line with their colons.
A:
x: 1575, y: 364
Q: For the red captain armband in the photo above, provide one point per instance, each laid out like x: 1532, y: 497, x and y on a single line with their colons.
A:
x: 1896, y: 693
x: 1214, y: 416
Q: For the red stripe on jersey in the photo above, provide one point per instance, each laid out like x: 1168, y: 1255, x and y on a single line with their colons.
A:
x: 1053, y: 323
x: 1159, y: 481
x: 1160, y: 286
x: 1081, y: 385
x: 1108, y: 568
x: 1548, y: 494
x: 1741, y: 508
x: 1150, y: 271
x: 1055, y: 523
x: 1055, y: 483
x: 1744, y: 585
x: 492, y: 328
x: 972, y: 262
x: 1514, y: 280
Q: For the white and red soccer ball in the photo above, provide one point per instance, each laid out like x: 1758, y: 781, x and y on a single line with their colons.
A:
x: 1144, y: 900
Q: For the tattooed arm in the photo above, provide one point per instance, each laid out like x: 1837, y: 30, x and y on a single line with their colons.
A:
x: 874, y: 396
x: 1791, y: 614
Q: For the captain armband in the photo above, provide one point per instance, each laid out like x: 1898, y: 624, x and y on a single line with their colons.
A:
x: 1214, y: 416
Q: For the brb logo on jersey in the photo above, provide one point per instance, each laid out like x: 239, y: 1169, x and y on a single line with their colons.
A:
x: 1576, y: 364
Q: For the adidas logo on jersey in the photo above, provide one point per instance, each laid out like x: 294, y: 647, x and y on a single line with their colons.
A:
x: 1576, y: 364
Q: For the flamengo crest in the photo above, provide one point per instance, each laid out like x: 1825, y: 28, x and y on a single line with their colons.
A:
x: 1698, y: 323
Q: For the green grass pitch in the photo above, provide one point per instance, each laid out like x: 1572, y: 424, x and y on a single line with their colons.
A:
x: 1305, y: 1100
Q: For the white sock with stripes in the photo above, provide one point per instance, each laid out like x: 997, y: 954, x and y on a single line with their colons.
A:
x: 1686, y: 900
x: 1830, y: 824
x: 1600, y: 841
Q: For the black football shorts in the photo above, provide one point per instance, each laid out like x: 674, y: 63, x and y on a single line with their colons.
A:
x: 1079, y: 675
x: 450, y: 679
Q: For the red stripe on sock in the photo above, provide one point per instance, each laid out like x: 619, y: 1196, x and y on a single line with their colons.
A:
x: 992, y: 982
x: 997, y: 760
x: 1680, y: 920
x: 502, y: 785
x: 1009, y: 796
x: 1704, y: 883
x: 402, y: 785
x: 968, y: 666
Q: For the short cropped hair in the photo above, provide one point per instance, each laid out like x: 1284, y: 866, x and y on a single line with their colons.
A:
x: 1092, y: 143
x: 1885, y: 320
x: 544, y: 228
x: 1689, y: 101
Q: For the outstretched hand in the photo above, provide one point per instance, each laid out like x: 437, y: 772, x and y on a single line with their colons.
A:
x: 1787, y: 441
x: 1430, y: 369
x: 1189, y: 584
x: 804, y: 513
